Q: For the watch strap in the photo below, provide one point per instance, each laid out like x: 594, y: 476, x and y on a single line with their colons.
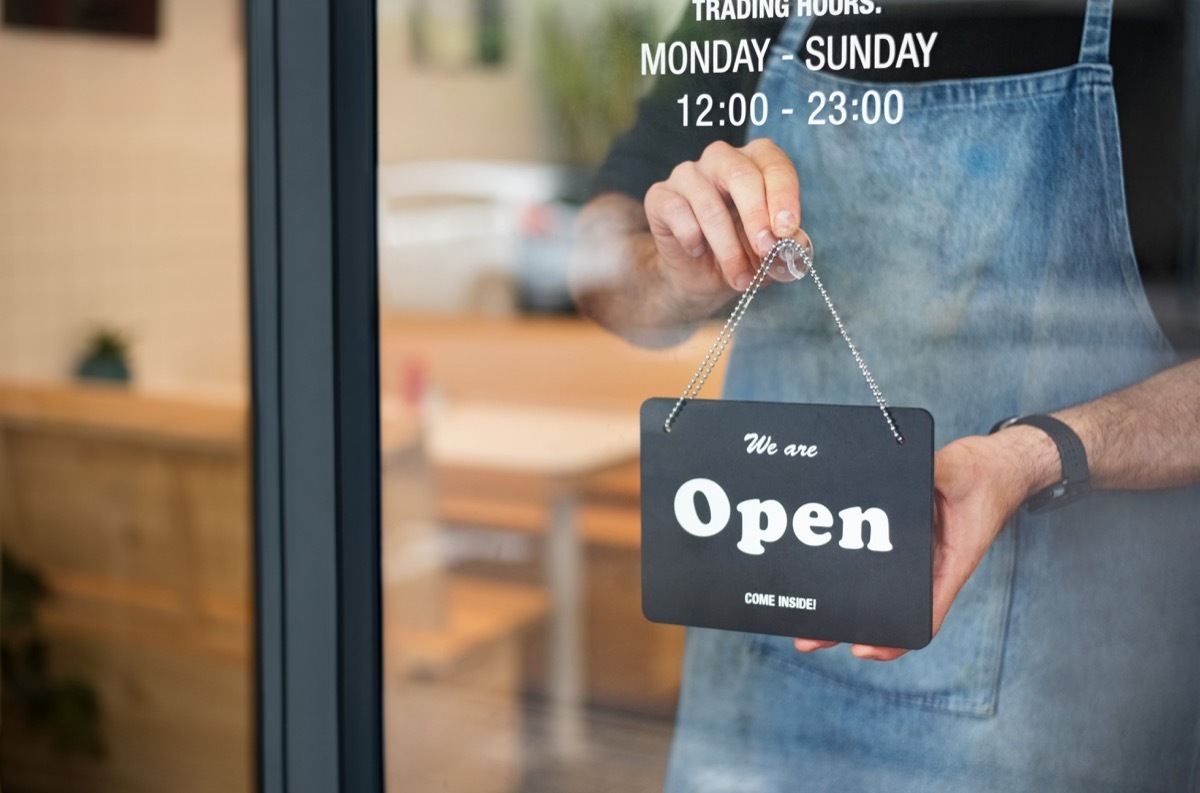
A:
x: 1076, y: 480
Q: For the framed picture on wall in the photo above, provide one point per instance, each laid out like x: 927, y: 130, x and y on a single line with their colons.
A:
x: 133, y: 18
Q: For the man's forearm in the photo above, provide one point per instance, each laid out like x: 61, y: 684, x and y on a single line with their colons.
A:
x: 1146, y: 436
x: 1143, y: 437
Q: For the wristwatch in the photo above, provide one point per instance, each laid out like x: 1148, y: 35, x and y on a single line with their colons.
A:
x: 1076, y: 482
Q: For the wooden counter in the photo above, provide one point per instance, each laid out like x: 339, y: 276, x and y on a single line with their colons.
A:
x: 557, y: 361
x: 115, y: 411
x: 135, y: 509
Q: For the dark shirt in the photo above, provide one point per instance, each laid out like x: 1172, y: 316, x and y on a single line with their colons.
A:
x: 980, y: 39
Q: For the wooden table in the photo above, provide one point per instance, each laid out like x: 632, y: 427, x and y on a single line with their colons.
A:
x: 557, y: 447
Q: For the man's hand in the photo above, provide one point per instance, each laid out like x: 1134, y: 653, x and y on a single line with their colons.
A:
x: 651, y: 271
x: 979, y: 483
x: 1143, y: 437
x: 712, y: 219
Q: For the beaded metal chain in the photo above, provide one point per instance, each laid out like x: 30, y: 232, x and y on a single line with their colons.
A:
x: 788, y: 250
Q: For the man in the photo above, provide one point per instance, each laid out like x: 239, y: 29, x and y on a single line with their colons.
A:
x: 978, y: 250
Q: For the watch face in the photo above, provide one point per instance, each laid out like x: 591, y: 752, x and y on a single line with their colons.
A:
x: 794, y: 520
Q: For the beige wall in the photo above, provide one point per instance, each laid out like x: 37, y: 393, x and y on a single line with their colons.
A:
x: 437, y: 113
x: 122, y: 198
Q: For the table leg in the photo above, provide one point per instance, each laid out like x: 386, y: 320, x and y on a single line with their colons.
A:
x: 566, y: 662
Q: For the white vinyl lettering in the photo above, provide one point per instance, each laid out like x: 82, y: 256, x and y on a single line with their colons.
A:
x: 809, y: 517
x: 765, y: 521
x: 852, y: 524
x: 685, y: 507
x: 760, y: 444
x: 754, y: 533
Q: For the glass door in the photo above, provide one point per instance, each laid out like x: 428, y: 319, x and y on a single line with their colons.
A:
x: 516, y: 653
x: 448, y: 487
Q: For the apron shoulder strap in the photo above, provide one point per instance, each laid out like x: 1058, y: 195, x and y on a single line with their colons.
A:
x: 793, y: 32
x: 1097, y: 29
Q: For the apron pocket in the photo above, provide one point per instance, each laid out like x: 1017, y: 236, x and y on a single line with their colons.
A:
x: 959, y: 672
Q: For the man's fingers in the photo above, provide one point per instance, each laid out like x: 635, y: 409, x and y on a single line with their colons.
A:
x: 728, y: 209
x: 672, y: 222
x: 740, y: 177
x: 872, y: 653
x: 865, y: 651
x: 781, y: 185
x: 716, y: 222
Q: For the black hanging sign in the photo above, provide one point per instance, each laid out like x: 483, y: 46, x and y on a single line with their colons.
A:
x: 789, y: 519
x: 794, y: 520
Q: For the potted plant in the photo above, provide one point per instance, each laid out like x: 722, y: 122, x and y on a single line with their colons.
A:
x: 66, y: 711
x: 106, y: 357
x: 590, y: 73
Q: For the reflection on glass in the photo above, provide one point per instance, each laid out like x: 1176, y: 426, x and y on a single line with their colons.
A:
x: 517, y: 657
x: 124, y: 467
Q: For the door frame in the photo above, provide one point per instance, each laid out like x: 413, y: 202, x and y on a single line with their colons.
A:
x: 314, y: 328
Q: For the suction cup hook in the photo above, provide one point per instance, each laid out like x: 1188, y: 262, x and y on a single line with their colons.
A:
x: 790, y: 265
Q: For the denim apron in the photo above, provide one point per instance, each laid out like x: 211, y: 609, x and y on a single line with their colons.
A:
x: 979, y: 254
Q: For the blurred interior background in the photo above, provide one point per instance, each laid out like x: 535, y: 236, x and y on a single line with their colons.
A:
x: 124, y: 492
x: 516, y: 654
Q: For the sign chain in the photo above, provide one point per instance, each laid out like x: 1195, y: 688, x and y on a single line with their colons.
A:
x: 787, y: 249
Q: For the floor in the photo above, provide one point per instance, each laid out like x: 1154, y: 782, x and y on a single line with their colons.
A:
x: 626, y: 753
